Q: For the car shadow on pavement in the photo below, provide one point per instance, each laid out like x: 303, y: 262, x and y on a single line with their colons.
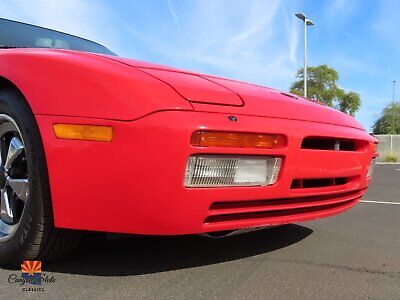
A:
x: 152, y: 254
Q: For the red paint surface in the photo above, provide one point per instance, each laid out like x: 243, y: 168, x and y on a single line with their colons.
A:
x: 134, y: 184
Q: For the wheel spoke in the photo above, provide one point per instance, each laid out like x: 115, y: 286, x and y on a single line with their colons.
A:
x: 6, y: 229
x: 14, y: 150
x: 6, y: 213
x: 1, y: 151
x: 20, y: 187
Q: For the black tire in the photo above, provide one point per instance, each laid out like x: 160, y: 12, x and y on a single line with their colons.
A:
x: 35, y: 238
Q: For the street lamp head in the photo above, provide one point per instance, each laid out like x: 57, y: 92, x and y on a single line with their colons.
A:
x: 309, y: 22
x: 301, y: 16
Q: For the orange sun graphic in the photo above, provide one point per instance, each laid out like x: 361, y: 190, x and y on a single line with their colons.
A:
x: 31, y: 267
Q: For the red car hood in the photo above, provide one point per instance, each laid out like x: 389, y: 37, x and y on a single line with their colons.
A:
x: 229, y: 96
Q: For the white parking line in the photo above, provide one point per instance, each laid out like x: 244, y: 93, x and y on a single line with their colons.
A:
x: 380, y: 202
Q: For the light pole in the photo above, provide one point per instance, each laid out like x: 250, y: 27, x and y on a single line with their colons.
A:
x: 307, y: 22
x: 391, y: 136
x: 394, y: 89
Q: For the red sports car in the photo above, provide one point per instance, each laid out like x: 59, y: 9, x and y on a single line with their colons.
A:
x: 92, y: 141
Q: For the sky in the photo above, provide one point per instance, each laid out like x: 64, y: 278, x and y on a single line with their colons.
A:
x: 259, y: 41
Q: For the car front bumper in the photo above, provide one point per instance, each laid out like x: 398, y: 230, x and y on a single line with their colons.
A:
x: 134, y: 184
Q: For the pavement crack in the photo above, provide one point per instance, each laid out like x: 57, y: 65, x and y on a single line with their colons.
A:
x: 391, y: 274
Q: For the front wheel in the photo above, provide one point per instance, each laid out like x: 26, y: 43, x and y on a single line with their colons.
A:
x: 27, y: 229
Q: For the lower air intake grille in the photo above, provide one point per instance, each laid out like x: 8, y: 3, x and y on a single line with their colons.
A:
x: 273, y: 208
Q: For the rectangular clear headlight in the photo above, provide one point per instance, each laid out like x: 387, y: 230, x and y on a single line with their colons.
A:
x: 371, y: 168
x: 231, y: 170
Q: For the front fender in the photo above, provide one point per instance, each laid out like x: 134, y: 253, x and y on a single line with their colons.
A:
x: 69, y: 83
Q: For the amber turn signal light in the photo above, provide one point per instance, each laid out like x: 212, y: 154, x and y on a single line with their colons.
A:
x: 237, y: 140
x: 374, y: 148
x: 83, y: 132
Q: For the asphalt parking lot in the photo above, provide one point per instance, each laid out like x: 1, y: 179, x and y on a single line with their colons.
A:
x: 353, y: 255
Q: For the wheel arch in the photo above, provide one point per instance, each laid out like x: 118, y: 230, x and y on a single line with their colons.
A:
x: 34, y: 236
x: 7, y: 84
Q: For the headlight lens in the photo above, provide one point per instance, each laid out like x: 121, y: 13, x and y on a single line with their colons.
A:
x: 371, y: 168
x: 229, y: 170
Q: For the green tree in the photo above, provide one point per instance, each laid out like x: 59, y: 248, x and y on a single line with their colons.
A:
x: 384, y: 124
x: 321, y: 85
x: 349, y: 103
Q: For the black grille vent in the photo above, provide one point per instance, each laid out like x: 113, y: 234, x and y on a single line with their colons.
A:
x: 318, y: 182
x: 321, y: 143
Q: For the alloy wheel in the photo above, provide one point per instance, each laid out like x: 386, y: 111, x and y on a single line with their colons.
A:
x: 14, y: 182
